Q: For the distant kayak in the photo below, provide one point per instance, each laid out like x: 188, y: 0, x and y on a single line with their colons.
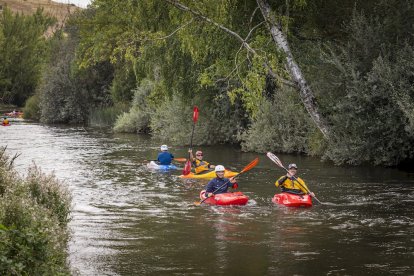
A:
x: 153, y: 165
x: 236, y: 198
x: 292, y: 200
x: 209, y: 175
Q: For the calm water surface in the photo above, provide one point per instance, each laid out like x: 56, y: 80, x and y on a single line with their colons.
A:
x: 128, y: 220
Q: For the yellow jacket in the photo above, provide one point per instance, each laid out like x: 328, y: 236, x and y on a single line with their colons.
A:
x: 5, y: 122
x: 292, y: 184
x: 200, y: 166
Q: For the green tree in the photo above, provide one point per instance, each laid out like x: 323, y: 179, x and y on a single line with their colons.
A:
x: 23, y: 51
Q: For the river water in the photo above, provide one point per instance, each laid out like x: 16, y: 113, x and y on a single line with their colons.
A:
x: 128, y: 220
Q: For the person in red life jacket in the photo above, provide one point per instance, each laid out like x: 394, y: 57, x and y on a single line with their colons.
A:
x: 220, y: 182
x: 290, y: 183
x: 164, y: 157
x: 200, y: 166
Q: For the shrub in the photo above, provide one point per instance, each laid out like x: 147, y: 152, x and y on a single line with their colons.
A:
x: 34, y: 213
x: 281, y: 125
x: 137, y: 120
x: 32, y: 109
x: 106, y: 116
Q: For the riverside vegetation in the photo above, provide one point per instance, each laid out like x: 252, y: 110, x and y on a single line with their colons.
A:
x: 329, y: 79
x: 34, y: 213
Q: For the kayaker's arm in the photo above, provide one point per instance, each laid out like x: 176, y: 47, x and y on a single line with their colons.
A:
x: 233, y: 183
x: 281, y: 180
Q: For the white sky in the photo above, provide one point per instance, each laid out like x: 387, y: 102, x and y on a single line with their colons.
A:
x: 79, y: 3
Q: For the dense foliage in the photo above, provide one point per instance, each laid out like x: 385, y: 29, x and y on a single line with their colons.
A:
x: 23, y: 52
x: 34, y: 212
x: 159, y: 58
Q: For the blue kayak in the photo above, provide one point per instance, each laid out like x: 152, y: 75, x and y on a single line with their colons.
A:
x: 154, y: 166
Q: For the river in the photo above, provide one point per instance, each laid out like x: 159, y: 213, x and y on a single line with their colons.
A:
x: 128, y: 220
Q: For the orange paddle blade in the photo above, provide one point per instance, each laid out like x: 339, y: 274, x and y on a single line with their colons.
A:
x: 180, y: 159
x: 251, y: 165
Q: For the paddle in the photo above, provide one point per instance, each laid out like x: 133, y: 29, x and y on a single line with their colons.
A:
x: 250, y: 166
x: 187, y: 167
x: 277, y: 161
x: 179, y: 159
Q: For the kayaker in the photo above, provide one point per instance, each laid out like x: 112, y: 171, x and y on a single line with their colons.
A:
x: 219, y: 181
x: 199, y: 164
x: 164, y: 157
x: 290, y: 183
x: 5, y: 121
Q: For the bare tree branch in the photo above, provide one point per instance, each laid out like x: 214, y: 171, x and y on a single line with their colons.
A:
x: 171, y: 34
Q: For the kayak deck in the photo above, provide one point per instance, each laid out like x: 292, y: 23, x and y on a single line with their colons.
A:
x: 293, y: 200
x: 154, y: 166
x: 236, y: 198
x: 209, y: 175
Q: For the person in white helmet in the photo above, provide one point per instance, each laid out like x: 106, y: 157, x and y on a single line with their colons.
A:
x: 290, y: 183
x: 200, y: 166
x: 220, y: 183
x: 164, y: 157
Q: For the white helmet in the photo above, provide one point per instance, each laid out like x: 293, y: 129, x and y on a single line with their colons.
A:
x: 219, y: 168
x: 164, y: 148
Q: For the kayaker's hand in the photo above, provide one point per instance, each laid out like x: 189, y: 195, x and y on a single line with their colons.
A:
x: 312, y: 194
x: 190, y: 150
x: 232, y: 180
x: 210, y: 194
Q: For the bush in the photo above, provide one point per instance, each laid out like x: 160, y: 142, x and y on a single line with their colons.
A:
x: 106, y: 116
x: 32, y: 109
x: 386, y: 94
x: 372, y: 96
x: 137, y: 120
x: 281, y: 125
x: 34, y: 213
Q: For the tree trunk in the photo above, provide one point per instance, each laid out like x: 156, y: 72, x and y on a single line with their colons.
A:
x: 306, y: 93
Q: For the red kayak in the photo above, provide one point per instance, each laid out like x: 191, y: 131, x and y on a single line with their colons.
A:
x: 293, y: 200
x: 236, y: 198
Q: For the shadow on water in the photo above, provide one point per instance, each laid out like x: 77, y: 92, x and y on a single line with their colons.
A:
x: 128, y: 220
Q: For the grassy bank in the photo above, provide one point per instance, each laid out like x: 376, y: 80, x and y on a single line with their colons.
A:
x: 34, y: 213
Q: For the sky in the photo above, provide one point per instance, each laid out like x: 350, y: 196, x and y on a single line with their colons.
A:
x: 79, y: 3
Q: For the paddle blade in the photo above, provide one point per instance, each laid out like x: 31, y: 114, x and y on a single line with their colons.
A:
x: 251, y: 165
x: 181, y: 159
x: 195, y: 114
x: 275, y: 159
x: 187, y: 168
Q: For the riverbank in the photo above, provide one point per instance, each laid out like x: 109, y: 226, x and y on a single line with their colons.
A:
x: 34, y: 213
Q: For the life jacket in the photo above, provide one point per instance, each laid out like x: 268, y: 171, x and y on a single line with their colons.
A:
x: 200, y: 166
x: 292, y: 184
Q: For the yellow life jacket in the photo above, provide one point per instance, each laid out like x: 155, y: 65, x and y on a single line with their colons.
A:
x: 292, y: 184
x: 200, y: 166
x: 5, y: 122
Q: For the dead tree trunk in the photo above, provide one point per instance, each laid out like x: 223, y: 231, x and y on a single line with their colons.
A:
x: 306, y: 93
